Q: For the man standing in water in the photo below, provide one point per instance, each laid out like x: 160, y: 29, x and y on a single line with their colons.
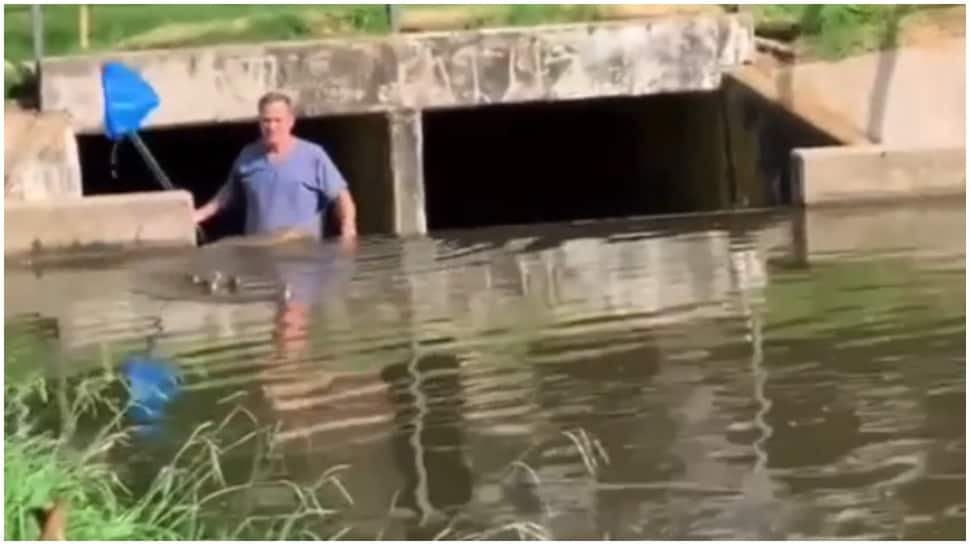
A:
x: 289, y: 183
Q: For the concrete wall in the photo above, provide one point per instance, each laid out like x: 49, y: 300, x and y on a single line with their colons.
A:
x: 763, y: 133
x: 873, y: 173
x: 40, y: 157
x: 163, y: 217
x: 912, y: 96
x: 416, y: 71
x: 936, y: 228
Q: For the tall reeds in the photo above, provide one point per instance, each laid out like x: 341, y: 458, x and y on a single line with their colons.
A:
x: 187, y: 497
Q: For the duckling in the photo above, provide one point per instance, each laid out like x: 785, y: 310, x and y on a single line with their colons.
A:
x: 215, y: 279
x: 234, y: 283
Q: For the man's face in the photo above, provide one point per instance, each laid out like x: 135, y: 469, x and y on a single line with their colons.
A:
x: 275, y: 123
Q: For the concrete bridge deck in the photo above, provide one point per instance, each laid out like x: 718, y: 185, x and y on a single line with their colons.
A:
x: 664, y: 54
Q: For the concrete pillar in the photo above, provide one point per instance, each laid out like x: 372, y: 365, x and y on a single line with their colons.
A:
x: 41, y: 157
x: 407, y: 172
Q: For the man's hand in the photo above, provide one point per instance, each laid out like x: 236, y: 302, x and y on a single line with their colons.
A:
x: 348, y: 243
x: 199, y: 216
x: 346, y: 214
x: 215, y: 204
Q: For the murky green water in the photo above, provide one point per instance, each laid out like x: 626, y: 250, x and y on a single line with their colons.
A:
x: 755, y: 376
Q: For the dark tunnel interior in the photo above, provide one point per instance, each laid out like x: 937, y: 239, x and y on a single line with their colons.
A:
x: 546, y: 162
x: 506, y: 164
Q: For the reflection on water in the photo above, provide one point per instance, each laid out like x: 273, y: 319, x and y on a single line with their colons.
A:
x: 751, y: 376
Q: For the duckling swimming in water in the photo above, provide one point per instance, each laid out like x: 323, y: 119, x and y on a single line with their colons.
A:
x: 234, y: 283
x: 215, y: 280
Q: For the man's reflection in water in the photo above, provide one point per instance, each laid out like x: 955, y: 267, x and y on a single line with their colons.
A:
x: 428, y: 441
x: 293, y: 384
x: 418, y: 403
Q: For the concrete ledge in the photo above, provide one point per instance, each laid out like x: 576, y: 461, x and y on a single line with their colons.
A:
x: 935, y: 226
x: 875, y: 173
x: 131, y: 219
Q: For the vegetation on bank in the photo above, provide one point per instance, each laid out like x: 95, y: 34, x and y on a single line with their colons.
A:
x: 115, y: 27
x: 834, y: 31
x: 74, y: 439
x: 62, y: 457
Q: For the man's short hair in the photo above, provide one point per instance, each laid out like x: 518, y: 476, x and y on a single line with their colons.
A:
x: 274, y: 96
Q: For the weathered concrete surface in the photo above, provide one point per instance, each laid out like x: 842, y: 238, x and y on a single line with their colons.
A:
x: 777, y: 86
x: 912, y: 96
x: 131, y: 219
x: 417, y: 71
x: 407, y: 173
x: 40, y: 157
x: 873, y: 173
x: 935, y: 227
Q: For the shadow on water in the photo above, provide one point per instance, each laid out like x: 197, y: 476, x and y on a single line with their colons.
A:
x: 752, y: 376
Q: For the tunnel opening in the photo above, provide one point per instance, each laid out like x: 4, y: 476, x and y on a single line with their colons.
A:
x: 512, y: 164
x: 610, y: 158
x: 564, y: 161
x: 197, y: 158
x: 763, y: 136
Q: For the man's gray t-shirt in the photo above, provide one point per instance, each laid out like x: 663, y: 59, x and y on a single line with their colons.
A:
x: 293, y: 191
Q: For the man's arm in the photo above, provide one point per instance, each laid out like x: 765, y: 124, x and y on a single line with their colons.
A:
x: 346, y: 213
x: 216, y: 203
x: 335, y: 187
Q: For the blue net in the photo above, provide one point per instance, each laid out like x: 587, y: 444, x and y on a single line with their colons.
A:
x: 128, y: 99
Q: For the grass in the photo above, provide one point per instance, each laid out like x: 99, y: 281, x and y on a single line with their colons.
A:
x: 831, y: 30
x: 190, y: 494
x: 191, y: 497
x: 137, y: 26
x: 834, y: 31
x: 35, y: 472
x: 188, y: 497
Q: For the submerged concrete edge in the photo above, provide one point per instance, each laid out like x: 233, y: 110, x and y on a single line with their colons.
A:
x: 130, y: 220
x: 860, y: 174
